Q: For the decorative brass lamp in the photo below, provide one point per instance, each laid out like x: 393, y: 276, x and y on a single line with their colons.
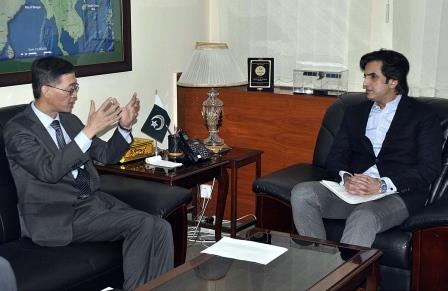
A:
x: 212, y: 65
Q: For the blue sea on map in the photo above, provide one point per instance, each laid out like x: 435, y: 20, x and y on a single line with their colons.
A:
x: 25, y: 37
x: 98, y: 33
x: 31, y: 31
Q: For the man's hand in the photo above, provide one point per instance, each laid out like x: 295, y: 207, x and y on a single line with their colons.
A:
x: 129, y: 113
x: 361, y: 184
x: 107, y: 115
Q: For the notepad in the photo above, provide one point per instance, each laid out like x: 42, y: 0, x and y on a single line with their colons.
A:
x: 157, y: 161
x: 342, y: 193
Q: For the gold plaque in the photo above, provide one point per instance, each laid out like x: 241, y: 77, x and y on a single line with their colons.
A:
x: 139, y: 149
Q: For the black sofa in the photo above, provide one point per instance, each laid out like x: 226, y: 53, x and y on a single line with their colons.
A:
x: 82, y: 266
x: 416, y: 250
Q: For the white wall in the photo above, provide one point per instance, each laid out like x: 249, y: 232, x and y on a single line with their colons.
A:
x: 420, y: 33
x: 338, y: 31
x: 163, y: 38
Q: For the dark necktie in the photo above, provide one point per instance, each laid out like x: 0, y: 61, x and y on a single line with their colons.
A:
x: 83, y: 178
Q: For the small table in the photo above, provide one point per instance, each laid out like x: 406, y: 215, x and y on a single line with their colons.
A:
x: 239, y: 157
x: 309, y: 264
x: 187, y: 176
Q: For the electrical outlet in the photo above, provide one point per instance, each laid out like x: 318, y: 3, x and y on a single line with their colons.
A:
x: 206, y: 191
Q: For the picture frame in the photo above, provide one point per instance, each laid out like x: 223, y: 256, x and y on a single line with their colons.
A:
x: 260, y: 74
x: 15, y: 71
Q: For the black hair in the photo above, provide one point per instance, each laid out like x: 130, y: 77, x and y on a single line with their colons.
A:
x: 47, y: 71
x: 394, y: 66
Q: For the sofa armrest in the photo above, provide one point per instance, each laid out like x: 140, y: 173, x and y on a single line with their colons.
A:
x: 280, y: 183
x: 152, y: 197
x: 433, y: 215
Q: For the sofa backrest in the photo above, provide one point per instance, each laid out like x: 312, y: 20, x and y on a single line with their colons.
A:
x: 9, y: 218
x: 333, y: 118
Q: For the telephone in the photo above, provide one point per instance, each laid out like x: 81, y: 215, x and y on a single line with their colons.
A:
x: 194, y: 150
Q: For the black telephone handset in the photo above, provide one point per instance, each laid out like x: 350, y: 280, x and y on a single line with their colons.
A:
x: 194, y: 150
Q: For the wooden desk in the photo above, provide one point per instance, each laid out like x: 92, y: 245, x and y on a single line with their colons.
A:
x: 187, y: 176
x: 284, y: 126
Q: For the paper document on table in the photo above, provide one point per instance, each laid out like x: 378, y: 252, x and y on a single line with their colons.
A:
x: 245, y: 250
x: 340, y: 191
x: 157, y: 161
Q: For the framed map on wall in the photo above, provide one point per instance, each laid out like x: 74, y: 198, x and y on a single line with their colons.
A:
x: 94, y: 35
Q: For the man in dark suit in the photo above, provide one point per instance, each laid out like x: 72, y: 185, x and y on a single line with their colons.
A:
x: 389, y: 142
x: 51, y: 153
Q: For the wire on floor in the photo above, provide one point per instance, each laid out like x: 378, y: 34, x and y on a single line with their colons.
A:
x: 193, y: 235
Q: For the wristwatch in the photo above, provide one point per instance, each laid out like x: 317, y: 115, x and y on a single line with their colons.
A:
x: 383, y: 186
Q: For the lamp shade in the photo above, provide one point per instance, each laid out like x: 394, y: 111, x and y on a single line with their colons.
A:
x: 212, y: 65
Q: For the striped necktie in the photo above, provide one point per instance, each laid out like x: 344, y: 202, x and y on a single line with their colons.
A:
x: 83, y: 178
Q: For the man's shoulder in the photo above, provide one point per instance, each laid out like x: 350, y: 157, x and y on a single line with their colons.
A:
x: 21, y: 119
x: 417, y: 104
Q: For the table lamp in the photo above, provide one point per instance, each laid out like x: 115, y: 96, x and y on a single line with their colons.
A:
x: 212, y: 65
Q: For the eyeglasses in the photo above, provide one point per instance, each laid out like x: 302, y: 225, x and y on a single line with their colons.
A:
x: 71, y: 91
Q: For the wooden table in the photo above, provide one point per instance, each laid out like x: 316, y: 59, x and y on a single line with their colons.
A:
x: 239, y: 157
x: 187, y: 176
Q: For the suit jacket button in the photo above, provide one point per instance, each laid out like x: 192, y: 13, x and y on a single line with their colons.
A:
x: 377, y: 161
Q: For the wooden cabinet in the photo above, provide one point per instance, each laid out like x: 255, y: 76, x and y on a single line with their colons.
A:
x: 283, y: 125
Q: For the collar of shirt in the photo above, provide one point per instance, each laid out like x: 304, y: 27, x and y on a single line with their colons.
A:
x: 44, y: 118
x: 390, y: 106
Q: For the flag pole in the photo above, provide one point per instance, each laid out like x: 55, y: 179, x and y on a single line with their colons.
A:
x: 156, y: 151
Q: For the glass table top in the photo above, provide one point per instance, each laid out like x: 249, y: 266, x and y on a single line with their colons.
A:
x: 306, y: 262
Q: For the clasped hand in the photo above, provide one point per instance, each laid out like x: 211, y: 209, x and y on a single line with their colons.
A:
x: 361, y: 184
x: 110, y: 113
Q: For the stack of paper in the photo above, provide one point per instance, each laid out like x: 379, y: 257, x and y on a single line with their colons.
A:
x: 245, y: 250
x: 157, y: 161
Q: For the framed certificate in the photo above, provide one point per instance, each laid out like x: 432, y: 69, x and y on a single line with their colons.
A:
x: 261, y: 74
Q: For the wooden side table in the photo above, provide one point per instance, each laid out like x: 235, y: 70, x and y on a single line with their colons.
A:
x: 239, y: 157
x: 187, y: 176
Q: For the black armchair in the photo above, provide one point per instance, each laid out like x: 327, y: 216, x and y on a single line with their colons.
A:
x: 82, y: 266
x: 415, y: 251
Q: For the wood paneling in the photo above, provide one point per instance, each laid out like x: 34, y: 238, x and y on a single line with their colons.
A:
x: 283, y: 125
x: 429, y: 257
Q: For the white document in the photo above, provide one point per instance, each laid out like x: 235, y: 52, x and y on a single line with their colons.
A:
x: 340, y: 191
x: 157, y: 161
x: 245, y: 250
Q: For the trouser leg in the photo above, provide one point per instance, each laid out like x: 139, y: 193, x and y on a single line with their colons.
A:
x: 7, y: 277
x: 148, y: 243
x: 311, y: 201
x: 373, y: 217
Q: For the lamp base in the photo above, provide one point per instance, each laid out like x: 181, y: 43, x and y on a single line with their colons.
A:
x: 217, y: 149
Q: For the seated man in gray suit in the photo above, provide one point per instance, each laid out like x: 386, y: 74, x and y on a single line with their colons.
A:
x: 7, y: 278
x: 389, y: 142
x: 51, y: 153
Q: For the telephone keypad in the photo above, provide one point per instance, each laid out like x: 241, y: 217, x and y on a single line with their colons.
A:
x: 199, y: 149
